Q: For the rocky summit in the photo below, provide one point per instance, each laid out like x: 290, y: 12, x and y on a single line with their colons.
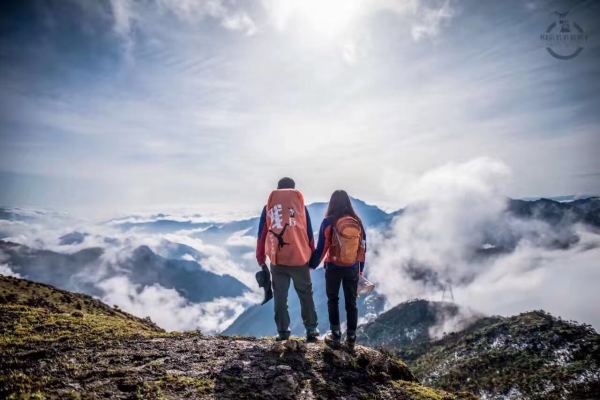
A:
x: 57, y: 344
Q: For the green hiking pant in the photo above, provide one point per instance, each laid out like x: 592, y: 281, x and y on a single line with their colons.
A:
x: 281, y: 276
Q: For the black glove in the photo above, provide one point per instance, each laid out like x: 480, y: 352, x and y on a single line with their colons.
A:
x: 263, y: 277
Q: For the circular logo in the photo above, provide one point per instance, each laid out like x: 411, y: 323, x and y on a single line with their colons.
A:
x: 564, y: 39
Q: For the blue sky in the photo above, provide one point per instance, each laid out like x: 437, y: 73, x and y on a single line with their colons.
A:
x: 114, y: 106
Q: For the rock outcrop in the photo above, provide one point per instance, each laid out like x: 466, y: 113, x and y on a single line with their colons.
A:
x: 56, y: 344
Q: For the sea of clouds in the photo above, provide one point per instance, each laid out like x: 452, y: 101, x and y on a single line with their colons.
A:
x: 165, y: 306
x: 454, y: 212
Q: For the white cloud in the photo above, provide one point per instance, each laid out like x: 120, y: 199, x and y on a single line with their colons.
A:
x: 217, y: 259
x: 431, y: 20
x: 129, y: 15
x: 239, y: 22
x: 339, y: 18
x: 6, y: 271
x: 447, y: 322
x: 201, y: 105
x: 188, y: 257
x: 195, y: 243
x: 563, y: 282
x: 226, y: 266
x: 123, y: 16
x: 449, y: 209
x: 170, y: 310
x: 452, y: 212
x: 351, y: 52
x: 326, y: 18
x: 165, y: 306
x: 242, y: 239
x: 118, y: 245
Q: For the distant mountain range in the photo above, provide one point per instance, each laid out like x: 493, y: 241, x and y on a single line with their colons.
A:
x: 579, y: 210
x: 528, y: 356
x: 586, y: 210
x: 213, y: 231
x: 142, y: 266
x: 582, y: 209
x: 179, y: 265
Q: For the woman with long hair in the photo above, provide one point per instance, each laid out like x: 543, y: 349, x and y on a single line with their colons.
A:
x: 342, y: 242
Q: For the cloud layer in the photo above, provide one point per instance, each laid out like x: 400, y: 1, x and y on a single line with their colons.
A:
x: 455, y: 233
x: 170, y: 310
x: 455, y: 212
x: 110, y: 275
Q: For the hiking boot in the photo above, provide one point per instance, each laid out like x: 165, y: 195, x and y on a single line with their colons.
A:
x: 312, y: 335
x: 350, y: 340
x: 333, y: 339
x: 282, y: 336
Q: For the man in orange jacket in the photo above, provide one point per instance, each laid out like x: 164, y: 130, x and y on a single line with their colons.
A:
x: 285, y: 236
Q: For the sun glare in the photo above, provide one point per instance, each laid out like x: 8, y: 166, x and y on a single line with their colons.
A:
x: 325, y: 18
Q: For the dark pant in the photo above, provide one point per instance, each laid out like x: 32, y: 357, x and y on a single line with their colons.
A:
x: 348, y: 279
x: 281, y: 277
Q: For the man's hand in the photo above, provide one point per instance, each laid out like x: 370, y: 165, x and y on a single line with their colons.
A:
x: 264, y: 267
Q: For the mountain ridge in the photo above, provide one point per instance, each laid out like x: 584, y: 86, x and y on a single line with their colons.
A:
x: 143, y: 266
x: 55, y: 344
x: 532, y: 355
x: 29, y: 214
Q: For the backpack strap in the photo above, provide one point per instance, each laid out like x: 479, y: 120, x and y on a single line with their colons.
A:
x: 279, y: 236
x: 334, y: 234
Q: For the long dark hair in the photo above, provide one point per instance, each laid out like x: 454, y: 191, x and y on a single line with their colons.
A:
x: 341, y: 206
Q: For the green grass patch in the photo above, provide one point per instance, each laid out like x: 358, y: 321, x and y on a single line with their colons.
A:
x: 23, y: 326
x: 184, y: 386
x: 416, y: 391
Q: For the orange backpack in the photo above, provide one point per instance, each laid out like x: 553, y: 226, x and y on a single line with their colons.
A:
x: 287, y: 238
x: 346, y: 242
